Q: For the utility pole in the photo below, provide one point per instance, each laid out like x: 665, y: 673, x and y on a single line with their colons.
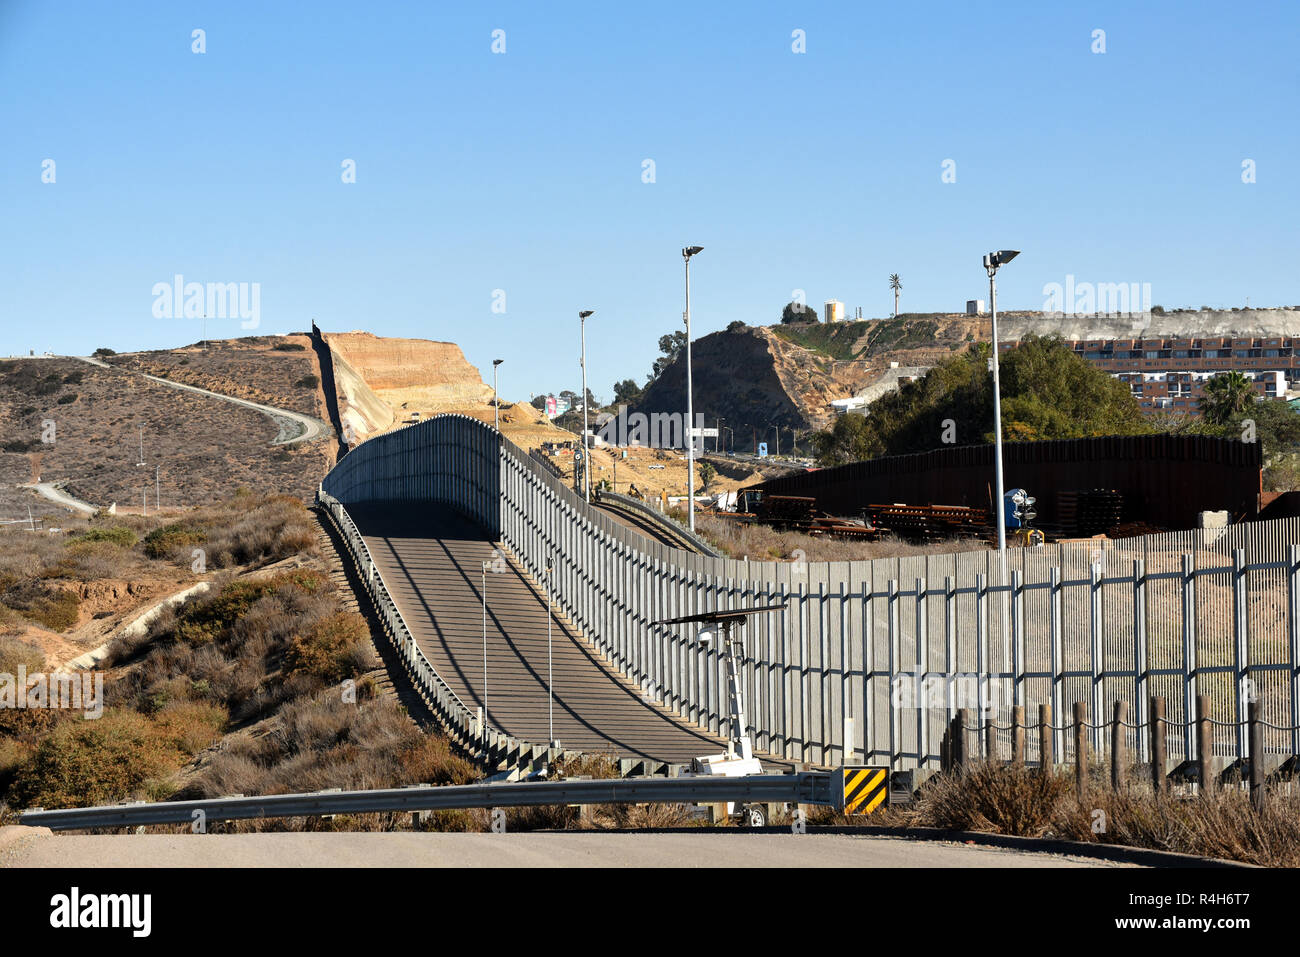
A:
x: 485, y: 678
x: 550, y: 677
x: 586, y: 462
x: 496, y: 398
x: 687, y: 253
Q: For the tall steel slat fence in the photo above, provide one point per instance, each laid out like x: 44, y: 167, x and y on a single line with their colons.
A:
x: 870, y: 659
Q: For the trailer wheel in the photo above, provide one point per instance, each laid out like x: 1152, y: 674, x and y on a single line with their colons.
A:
x: 755, y: 815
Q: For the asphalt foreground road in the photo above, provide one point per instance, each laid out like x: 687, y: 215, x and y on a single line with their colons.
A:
x: 294, y: 889
x: 535, y: 849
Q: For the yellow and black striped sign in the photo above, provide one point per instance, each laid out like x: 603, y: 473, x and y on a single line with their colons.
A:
x: 863, y: 789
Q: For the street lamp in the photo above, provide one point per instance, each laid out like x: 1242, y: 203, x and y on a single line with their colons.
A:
x: 687, y: 253
x: 496, y: 399
x: 157, y: 488
x: 991, y: 263
x: 483, y: 589
x: 586, y: 463
x: 550, y: 684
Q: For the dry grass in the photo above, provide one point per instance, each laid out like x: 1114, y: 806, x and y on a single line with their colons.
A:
x: 1005, y: 799
x: 243, y: 529
x: 326, y: 742
x: 762, y: 543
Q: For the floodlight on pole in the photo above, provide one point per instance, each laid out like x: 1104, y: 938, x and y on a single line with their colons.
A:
x: 496, y: 399
x: 586, y: 463
x: 689, y: 431
x: 991, y: 263
x: 483, y: 589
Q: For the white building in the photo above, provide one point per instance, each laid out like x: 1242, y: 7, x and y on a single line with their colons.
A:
x: 974, y: 307
x: 834, y: 310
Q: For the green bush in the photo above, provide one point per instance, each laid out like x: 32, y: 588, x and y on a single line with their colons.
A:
x: 328, y: 648
x: 113, y: 534
x: 104, y: 761
x: 53, y: 608
x: 163, y: 541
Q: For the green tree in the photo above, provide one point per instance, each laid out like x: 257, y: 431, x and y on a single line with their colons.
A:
x: 669, y: 346
x: 707, y: 474
x: 1048, y: 392
x: 627, y: 392
x: 798, y: 312
x: 1227, y: 395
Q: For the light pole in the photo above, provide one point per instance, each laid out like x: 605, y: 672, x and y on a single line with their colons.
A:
x: 157, y: 488
x: 141, y: 462
x: 586, y: 462
x: 991, y: 263
x: 550, y: 684
x: 483, y: 589
x: 687, y: 253
x: 496, y: 399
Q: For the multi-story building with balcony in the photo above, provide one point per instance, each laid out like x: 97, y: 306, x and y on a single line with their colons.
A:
x: 1182, y: 391
x: 1169, y: 374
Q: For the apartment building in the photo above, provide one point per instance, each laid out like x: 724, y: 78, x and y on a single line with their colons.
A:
x: 1182, y: 391
x: 1169, y: 374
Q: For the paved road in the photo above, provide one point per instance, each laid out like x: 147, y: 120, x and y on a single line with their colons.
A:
x: 431, y: 561
x: 55, y: 494
x: 294, y: 426
x: 558, y: 849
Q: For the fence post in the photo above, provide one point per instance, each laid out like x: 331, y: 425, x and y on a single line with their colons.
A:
x: 1293, y: 639
x: 990, y: 741
x: 1096, y: 659
x: 1057, y: 704
x: 1240, y: 656
x: 1256, y: 757
x: 1080, y: 750
x: 1189, y: 656
x: 1204, y: 742
x: 963, y: 747
x: 1018, y: 735
x: 1159, y: 782
x: 1140, y: 653
x: 1117, y: 741
x: 1045, y: 738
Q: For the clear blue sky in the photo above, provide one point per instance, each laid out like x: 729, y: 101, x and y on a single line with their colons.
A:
x: 523, y: 172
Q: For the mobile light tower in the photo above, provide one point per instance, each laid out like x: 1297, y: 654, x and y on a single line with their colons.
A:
x: 496, y: 398
x: 687, y: 253
x: 586, y: 465
x: 738, y: 760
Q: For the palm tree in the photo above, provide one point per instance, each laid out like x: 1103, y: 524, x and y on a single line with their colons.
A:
x: 1227, y: 395
x: 895, y: 284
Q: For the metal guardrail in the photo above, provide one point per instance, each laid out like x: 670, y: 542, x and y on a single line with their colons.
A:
x: 698, y: 544
x: 805, y: 787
